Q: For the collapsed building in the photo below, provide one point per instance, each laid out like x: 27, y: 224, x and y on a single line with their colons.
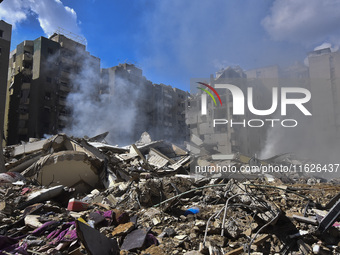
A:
x: 226, y: 138
x: 75, y: 196
x: 66, y: 195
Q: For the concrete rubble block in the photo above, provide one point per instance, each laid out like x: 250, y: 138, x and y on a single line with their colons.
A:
x: 123, y: 229
x: 196, y: 140
x: 180, y: 163
x: 157, y: 159
x: 70, y: 168
x: 32, y: 221
x: 162, y: 199
x: 154, y: 250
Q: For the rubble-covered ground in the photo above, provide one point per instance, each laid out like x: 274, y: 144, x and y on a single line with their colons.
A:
x: 82, y: 196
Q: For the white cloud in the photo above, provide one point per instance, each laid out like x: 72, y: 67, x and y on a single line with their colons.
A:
x: 51, y: 14
x: 14, y: 11
x: 304, y: 21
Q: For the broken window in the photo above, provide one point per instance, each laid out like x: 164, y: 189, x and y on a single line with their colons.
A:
x: 25, y: 95
x: 27, y: 78
x: 50, y: 51
x: 23, y: 109
x: 27, y: 64
x: 66, y: 69
x: 14, y: 57
x: 22, y: 124
x: 47, y: 95
x: 1, y: 33
x: 48, y: 79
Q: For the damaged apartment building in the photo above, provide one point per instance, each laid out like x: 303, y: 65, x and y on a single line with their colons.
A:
x: 43, y: 72
x: 40, y: 78
x: 5, y: 44
x: 322, y: 129
x: 160, y: 108
x: 226, y: 138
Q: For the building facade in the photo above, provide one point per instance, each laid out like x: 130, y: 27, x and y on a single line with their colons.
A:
x: 41, y: 75
x: 235, y: 135
x: 159, y: 109
x: 5, y: 44
x: 324, y: 72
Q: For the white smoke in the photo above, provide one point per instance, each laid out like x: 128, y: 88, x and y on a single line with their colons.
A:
x: 51, y: 14
x: 96, y: 108
x: 304, y: 21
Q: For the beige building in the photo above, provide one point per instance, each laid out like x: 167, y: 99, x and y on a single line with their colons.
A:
x: 324, y: 72
x: 41, y: 75
x: 228, y: 138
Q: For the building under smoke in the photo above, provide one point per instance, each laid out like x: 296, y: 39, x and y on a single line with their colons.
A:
x: 324, y: 71
x: 156, y: 108
x: 232, y: 133
x: 41, y: 76
x: 55, y: 85
x: 5, y: 44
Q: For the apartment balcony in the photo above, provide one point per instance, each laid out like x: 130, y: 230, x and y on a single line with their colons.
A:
x: 26, y: 71
x: 63, y: 118
x: 26, y: 85
x: 27, y: 57
x: 23, y: 131
x: 64, y: 88
x: 62, y: 102
x: 66, y: 61
x: 24, y: 116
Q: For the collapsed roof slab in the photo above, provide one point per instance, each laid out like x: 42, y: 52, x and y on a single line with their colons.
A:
x: 70, y: 168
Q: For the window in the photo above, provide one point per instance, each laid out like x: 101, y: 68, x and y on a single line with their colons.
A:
x: 48, y: 79
x: 47, y: 96
x: 1, y: 33
x: 0, y: 51
x: 27, y: 64
x: 49, y: 51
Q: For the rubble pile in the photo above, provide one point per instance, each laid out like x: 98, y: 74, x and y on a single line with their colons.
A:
x: 82, y: 196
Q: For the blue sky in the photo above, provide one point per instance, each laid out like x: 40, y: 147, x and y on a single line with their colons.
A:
x: 175, y: 40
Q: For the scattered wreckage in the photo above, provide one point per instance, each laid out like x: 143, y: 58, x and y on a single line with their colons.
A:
x: 76, y: 196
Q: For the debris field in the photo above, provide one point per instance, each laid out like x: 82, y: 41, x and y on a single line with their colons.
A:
x: 75, y: 196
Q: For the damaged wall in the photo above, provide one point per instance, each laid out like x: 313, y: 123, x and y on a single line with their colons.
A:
x: 5, y: 43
